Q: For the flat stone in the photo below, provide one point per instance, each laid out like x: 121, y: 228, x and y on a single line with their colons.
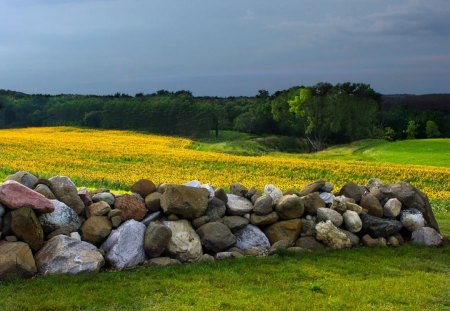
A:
x: 15, y: 195
x: 313, y: 187
x: 238, y: 205
x: 264, y: 220
x: 372, y: 205
x: 235, y: 223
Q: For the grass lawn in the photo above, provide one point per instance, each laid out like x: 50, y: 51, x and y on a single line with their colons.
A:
x: 404, y: 278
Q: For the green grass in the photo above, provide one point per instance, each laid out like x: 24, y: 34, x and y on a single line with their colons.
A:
x: 404, y: 278
x: 433, y: 152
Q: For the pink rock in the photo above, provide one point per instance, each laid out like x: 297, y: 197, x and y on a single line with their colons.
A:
x: 15, y: 195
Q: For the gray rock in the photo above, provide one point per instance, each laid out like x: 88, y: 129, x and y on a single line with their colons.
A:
x: 251, y: 236
x: 263, y: 205
x: 156, y: 238
x: 221, y: 195
x: 235, y: 223
x: 412, y: 219
x: 25, y: 178
x: 290, y: 207
x: 216, y: 209
x: 238, y: 205
x: 153, y: 201
x: 324, y: 214
x: 372, y: 205
x: 45, y: 191
x: 308, y: 227
x: 198, y: 222
x: 426, y: 236
x: 352, y: 221
x: 104, y: 196
x: 185, y: 244
x: 309, y: 242
x: 352, y: 190
x: 162, y: 262
x: 379, y: 227
x: 216, y: 236
x: 332, y: 236
x: 238, y: 189
x: 227, y: 255
x: 353, y: 237
x: 66, y: 191
x: 151, y: 217
x: 392, y: 208
x: 184, y: 201
x: 62, y: 254
x: 263, y: 220
x: 62, y: 218
x: 125, y: 245
x: 274, y: 192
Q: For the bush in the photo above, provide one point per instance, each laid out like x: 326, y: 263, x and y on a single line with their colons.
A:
x: 431, y: 129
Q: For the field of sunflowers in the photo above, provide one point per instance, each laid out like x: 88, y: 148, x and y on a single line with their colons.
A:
x: 116, y: 159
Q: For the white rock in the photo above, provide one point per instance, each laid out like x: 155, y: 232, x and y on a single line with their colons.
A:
x: 211, y: 191
x: 426, y: 236
x: 238, y: 205
x: 75, y: 236
x: 62, y: 218
x: 125, y: 245
x: 185, y: 244
x: 412, y: 219
x: 332, y: 236
x: 193, y: 183
x: 274, y: 192
x: 352, y: 221
x: 392, y: 208
x: 327, y: 197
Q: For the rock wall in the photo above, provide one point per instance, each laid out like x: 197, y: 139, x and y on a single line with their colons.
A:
x: 50, y: 226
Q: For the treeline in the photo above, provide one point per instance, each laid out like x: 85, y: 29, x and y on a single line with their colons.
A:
x: 346, y: 112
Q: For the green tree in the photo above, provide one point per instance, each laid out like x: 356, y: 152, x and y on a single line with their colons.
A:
x: 411, y: 129
x: 431, y: 129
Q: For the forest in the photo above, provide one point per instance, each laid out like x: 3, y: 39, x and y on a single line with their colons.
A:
x: 324, y: 113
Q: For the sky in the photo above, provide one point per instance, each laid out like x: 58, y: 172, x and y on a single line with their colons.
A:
x: 223, y: 48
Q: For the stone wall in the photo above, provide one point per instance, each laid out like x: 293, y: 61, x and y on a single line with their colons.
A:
x: 50, y: 226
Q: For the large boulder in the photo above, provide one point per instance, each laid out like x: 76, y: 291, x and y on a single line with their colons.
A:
x: 185, y: 244
x: 63, y: 254
x: 324, y: 214
x: 313, y: 187
x: 352, y: 190
x: 65, y: 191
x: 16, y: 260
x: 185, y: 201
x: 96, y: 229
x: 25, y: 178
x: 426, y: 236
x: 131, y: 207
x: 216, y: 237
x: 15, y: 195
x: 411, y: 197
x: 124, y: 247
x: 238, y: 205
x: 352, y: 221
x: 380, y: 227
x: 143, y: 187
x: 332, y: 236
x: 63, y: 218
x: 251, y: 237
x: 284, y: 230
x: 25, y: 225
x: 372, y: 205
x: 290, y: 207
x: 156, y: 238
x: 216, y: 209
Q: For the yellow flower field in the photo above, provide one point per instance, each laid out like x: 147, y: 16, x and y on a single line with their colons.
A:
x: 116, y: 159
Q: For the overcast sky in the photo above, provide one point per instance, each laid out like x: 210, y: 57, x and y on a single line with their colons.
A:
x: 217, y: 47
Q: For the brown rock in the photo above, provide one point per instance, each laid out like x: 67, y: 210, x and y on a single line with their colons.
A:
x: 100, y: 208
x: 15, y: 195
x: 352, y: 190
x: 153, y: 201
x: 221, y: 195
x: 372, y: 205
x: 143, y: 187
x: 26, y: 227
x: 215, y: 236
x: 312, y: 202
x: 16, y: 260
x: 290, y: 207
x: 131, y: 207
x: 116, y: 221
x: 284, y: 230
x: 313, y: 187
x: 156, y: 238
x: 264, y: 220
x: 309, y: 242
x: 185, y: 201
x: 198, y: 222
x: 85, y: 196
x: 96, y: 229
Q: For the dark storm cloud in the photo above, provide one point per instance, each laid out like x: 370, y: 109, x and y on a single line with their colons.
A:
x: 223, y: 47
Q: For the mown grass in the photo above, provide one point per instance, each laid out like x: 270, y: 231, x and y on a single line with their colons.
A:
x: 404, y: 278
